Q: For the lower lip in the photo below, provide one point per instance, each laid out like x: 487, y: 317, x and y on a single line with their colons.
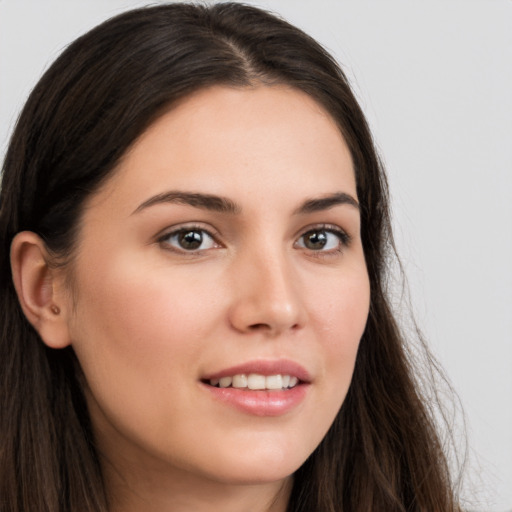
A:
x: 261, y: 403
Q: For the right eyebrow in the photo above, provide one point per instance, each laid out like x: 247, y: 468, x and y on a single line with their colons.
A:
x: 324, y: 203
x: 197, y: 200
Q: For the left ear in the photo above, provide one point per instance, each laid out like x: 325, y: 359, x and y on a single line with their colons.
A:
x: 40, y: 289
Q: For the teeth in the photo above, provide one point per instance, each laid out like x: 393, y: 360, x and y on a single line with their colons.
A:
x: 225, y: 382
x: 274, y: 382
x: 240, y: 381
x: 256, y: 381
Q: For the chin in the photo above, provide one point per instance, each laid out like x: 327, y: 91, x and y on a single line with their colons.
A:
x: 269, y: 465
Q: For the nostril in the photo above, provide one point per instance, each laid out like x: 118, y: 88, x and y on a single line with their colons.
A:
x: 269, y: 328
x: 257, y: 327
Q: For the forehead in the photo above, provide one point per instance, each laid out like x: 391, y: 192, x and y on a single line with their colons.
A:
x: 249, y: 141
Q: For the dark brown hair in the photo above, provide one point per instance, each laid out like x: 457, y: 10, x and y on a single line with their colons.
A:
x: 382, y: 452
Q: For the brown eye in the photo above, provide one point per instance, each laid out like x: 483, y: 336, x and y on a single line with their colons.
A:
x: 189, y: 240
x: 315, y: 240
x: 324, y: 240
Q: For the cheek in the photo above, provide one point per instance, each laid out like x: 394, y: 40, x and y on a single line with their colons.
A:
x: 339, y: 314
x: 339, y: 309
x: 137, y: 332
x: 138, y: 309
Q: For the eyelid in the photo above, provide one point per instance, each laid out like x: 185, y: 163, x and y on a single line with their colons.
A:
x: 333, y: 228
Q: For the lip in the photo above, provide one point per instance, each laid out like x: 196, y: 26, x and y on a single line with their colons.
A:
x: 261, y: 402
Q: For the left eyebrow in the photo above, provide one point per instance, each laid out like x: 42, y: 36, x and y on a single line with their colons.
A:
x: 326, y: 202
x: 197, y: 200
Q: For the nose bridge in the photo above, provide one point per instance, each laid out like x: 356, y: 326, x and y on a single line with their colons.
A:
x: 268, y: 297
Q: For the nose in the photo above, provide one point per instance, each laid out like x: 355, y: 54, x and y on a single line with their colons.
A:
x: 267, y: 296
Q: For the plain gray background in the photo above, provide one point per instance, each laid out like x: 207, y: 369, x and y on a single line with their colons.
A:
x: 435, y: 80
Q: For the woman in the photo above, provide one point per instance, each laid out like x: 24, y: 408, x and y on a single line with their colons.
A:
x: 194, y: 228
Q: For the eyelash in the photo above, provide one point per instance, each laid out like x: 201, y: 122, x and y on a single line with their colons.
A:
x: 343, y: 237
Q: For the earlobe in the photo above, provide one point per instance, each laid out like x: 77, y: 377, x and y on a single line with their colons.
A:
x: 38, y: 289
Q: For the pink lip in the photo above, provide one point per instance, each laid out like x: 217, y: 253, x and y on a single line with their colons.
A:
x: 263, y: 367
x: 260, y: 403
x: 264, y: 402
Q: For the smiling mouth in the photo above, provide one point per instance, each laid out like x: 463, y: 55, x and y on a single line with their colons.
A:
x: 255, y: 382
x: 260, y: 388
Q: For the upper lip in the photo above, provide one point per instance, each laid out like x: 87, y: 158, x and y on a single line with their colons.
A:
x: 264, y: 367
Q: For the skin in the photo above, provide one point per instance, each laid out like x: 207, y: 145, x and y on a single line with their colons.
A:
x: 149, y: 319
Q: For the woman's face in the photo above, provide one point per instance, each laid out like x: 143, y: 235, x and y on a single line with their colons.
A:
x: 223, y: 253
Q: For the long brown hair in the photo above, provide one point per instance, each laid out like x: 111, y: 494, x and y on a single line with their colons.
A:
x: 382, y: 452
